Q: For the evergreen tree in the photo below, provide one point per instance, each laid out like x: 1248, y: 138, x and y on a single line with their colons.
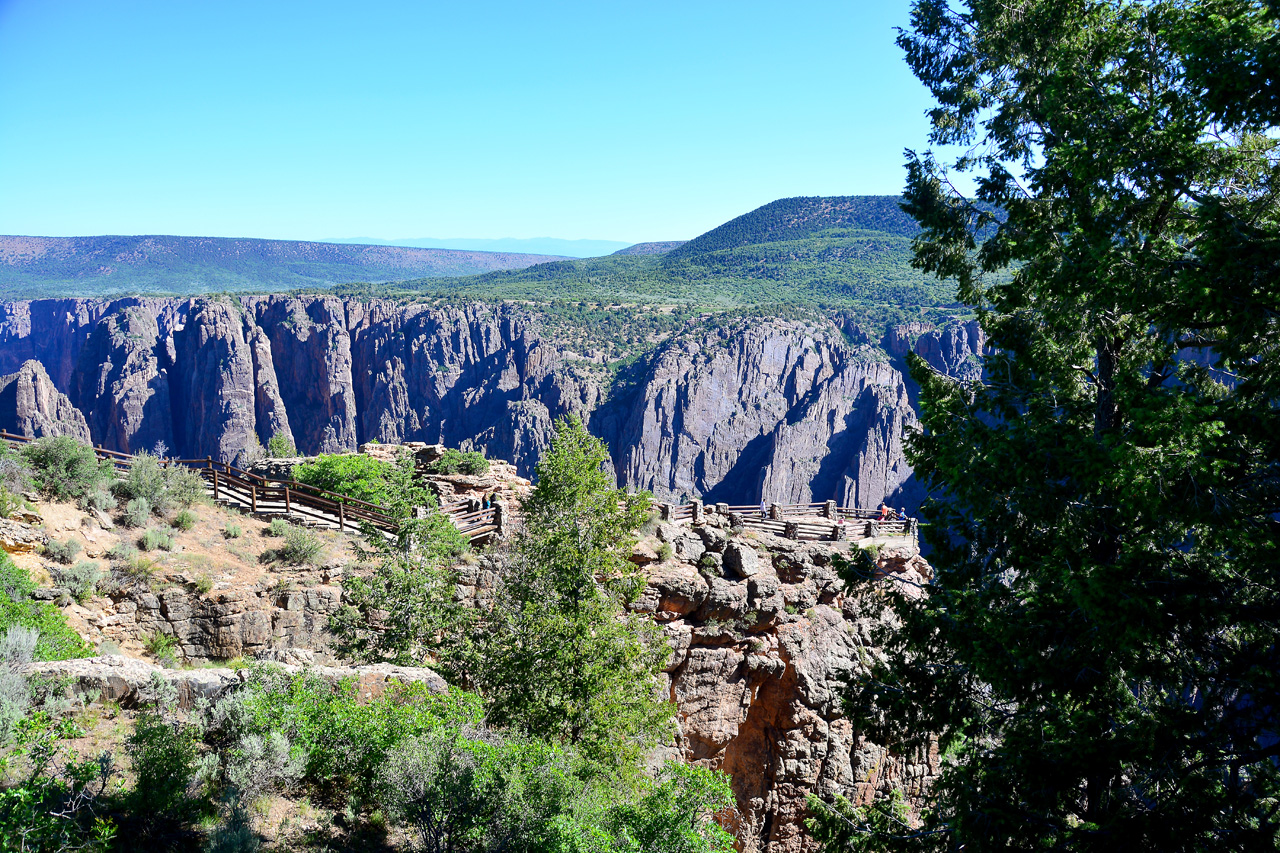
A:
x: 1099, y: 651
x: 559, y: 657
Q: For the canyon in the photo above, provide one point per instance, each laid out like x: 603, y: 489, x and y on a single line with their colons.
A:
x: 728, y: 409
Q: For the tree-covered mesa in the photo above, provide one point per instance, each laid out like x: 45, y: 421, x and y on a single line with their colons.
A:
x: 1099, y: 654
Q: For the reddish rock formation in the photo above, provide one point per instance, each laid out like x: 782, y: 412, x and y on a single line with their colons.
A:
x: 763, y: 638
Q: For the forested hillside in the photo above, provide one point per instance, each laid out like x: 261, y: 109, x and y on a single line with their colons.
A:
x: 851, y: 252
x: 34, y: 267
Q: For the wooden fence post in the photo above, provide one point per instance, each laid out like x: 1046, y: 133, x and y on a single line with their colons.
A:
x: 286, y: 499
x: 253, y: 497
x: 664, y: 512
x: 342, y: 516
x: 215, y: 484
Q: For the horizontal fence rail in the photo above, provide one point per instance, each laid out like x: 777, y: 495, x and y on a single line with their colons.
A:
x: 264, y: 496
x: 823, y: 521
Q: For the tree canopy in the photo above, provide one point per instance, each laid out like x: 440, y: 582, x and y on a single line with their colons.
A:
x: 1099, y: 651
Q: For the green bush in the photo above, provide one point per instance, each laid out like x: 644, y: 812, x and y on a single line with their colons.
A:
x: 454, y: 461
x: 57, y: 640
x: 15, y: 478
x: 396, y: 488
x: 278, y: 527
x: 62, y: 552
x: 64, y: 469
x: 161, y: 645
x: 280, y: 446
x: 346, y: 742
x: 81, y: 580
x: 156, y: 539
x: 301, y: 547
x: 426, y: 759
x: 185, y: 520
x: 352, y: 474
x: 232, y: 531
x: 163, y: 487
x: 162, y: 753
x: 137, y: 512
x: 203, y: 583
x: 55, y: 806
x: 665, y: 551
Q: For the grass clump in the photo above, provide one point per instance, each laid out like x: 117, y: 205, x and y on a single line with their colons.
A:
x: 301, y: 547
x: 232, y: 531
x: 62, y: 552
x: 203, y: 583
x: 665, y: 551
x: 154, y: 540
x: 278, y: 527
x: 184, y: 520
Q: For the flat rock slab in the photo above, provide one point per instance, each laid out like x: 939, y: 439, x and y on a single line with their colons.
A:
x: 128, y: 680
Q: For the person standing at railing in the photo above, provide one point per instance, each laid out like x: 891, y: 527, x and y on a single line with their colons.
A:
x: 884, y: 512
x: 764, y: 508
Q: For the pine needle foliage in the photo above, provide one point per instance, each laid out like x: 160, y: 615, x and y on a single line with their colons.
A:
x: 1101, y: 647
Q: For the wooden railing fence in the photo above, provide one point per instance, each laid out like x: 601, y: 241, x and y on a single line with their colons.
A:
x: 259, y: 495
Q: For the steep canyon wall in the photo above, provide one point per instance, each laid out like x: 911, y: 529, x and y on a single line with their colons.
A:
x: 787, y: 410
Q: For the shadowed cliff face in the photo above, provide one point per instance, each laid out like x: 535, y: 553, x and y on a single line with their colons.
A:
x: 788, y: 410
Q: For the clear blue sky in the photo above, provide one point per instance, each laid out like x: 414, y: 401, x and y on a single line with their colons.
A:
x: 622, y: 121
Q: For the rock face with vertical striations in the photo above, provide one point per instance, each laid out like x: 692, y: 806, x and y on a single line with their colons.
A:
x: 786, y: 411
x: 31, y: 405
x: 789, y: 410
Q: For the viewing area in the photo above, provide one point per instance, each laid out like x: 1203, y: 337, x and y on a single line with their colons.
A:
x: 257, y: 495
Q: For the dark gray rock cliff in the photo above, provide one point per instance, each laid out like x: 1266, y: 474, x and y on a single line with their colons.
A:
x: 789, y: 410
x: 31, y: 405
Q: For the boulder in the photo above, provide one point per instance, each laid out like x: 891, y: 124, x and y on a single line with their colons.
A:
x: 741, y: 559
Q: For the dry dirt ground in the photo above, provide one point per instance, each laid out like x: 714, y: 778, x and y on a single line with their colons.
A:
x: 205, y: 552
x: 208, y: 556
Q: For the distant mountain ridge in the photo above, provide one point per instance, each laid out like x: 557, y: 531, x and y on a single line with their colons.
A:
x: 526, y: 245
x: 110, y: 265
x: 660, y: 247
x: 850, y: 252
